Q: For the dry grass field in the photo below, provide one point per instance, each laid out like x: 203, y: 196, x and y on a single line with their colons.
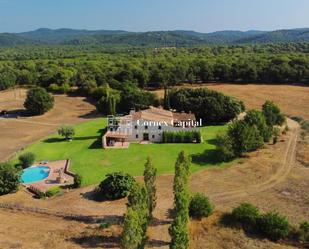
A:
x: 274, y: 178
x: 293, y: 100
x: 16, y: 133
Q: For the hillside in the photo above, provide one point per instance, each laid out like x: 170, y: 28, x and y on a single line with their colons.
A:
x: 154, y: 38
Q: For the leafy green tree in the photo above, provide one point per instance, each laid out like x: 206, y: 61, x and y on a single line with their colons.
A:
x: 7, y: 78
x: 273, y: 114
x: 247, y: 214
x: 9, y: 179
x: 67, y: 131
x: 150, y: 176
x: 224, y: 148
x: 38, y: 101
x: 255, y: 117
x: 116, y: 186
x: 27, y: 159
x: 245, y: 137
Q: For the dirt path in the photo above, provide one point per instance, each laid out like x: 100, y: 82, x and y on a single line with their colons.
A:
x: 279, y: 176
x: 159, y: 231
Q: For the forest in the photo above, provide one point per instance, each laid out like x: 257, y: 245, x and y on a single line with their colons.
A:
x: 77, y: 66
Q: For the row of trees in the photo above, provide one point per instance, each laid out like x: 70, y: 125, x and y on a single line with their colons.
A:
x: 250, y: 133
x: 157, y: 68
x: 141, y: 204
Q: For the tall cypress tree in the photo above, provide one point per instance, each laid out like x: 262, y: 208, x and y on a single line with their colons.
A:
x: 150, y: 175
x: 179, y: 229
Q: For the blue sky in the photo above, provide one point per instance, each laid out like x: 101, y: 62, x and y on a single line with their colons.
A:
x: 144, y: 15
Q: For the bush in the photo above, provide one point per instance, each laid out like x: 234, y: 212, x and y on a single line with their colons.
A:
x: 274, y: 226
x: 9, y: 179
x: 303, y: 232
x: 116, y: 186
x: 77, y: 181
x: 67, y: 132
x: 298, y: 119
x: 305, y: 125
x: 38, y: 101
x: 200, y: 206
x: 182, y: 137
x: 54, y: 191
x: 26, y: 159
x: 246, y: 214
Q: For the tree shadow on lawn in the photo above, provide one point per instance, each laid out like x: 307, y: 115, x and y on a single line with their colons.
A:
x: 57, y: 139
x: 206, y: 158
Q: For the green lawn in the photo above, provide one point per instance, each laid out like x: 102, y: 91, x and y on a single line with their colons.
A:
x: 92, y: 162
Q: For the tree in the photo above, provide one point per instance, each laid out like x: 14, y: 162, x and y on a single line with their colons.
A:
x: 27, y: 159
x: 245, y: 137
x: 224, y: 148
x: 7, y: 79
x: 67, y: 132
x: 116, y: 186
x: 138, y: 200
x: 247, y: 214
x: 9, y: 179
x: 150, y: 175
x: 179, y: 228
x: 255, y: 117
x: 38, y: 101
x: 131, y: 236
x: 272, y: 114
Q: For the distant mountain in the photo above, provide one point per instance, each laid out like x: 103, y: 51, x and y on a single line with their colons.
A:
x: 284, y: 35
x: 154, y: 38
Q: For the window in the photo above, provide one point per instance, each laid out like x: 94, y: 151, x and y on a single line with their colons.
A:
x: 135, y: 127
x: 136, y: 136
x: 146, y: 127
x: 153, y: 136
x: 160, y: 127
x: 111, y: 129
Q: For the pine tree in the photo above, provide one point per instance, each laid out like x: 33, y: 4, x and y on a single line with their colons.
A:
x: 150, y: 175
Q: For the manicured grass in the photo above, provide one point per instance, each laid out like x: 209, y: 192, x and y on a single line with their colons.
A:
x: 93, y: 163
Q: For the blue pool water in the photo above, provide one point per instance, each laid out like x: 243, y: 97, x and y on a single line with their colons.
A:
x: 34, y: 174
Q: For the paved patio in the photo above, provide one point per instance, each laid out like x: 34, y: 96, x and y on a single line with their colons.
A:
x: 59, y: 175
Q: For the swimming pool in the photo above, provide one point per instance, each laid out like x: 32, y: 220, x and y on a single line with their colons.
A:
x: 34, y: 174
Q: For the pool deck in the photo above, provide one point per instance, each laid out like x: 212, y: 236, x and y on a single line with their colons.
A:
x: 67, y: 178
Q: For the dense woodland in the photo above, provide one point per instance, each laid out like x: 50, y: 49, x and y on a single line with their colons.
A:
x: 80, y: 65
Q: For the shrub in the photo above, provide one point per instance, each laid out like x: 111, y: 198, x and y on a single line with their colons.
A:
x: 38, y: 101
x: 303, y: 232
x: 26, y: 159
x: 298, y: 119
x: 305, y: 125
x: 182, y: 137
x: 77, y: 181
x: 54, y: 191
x: 67, y: 132
x: 200, y: 206
x: 116, y: 186
x: 9, y: 179
x: 246, y: 214
x: 276, y: 133
x: 274, y: 226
